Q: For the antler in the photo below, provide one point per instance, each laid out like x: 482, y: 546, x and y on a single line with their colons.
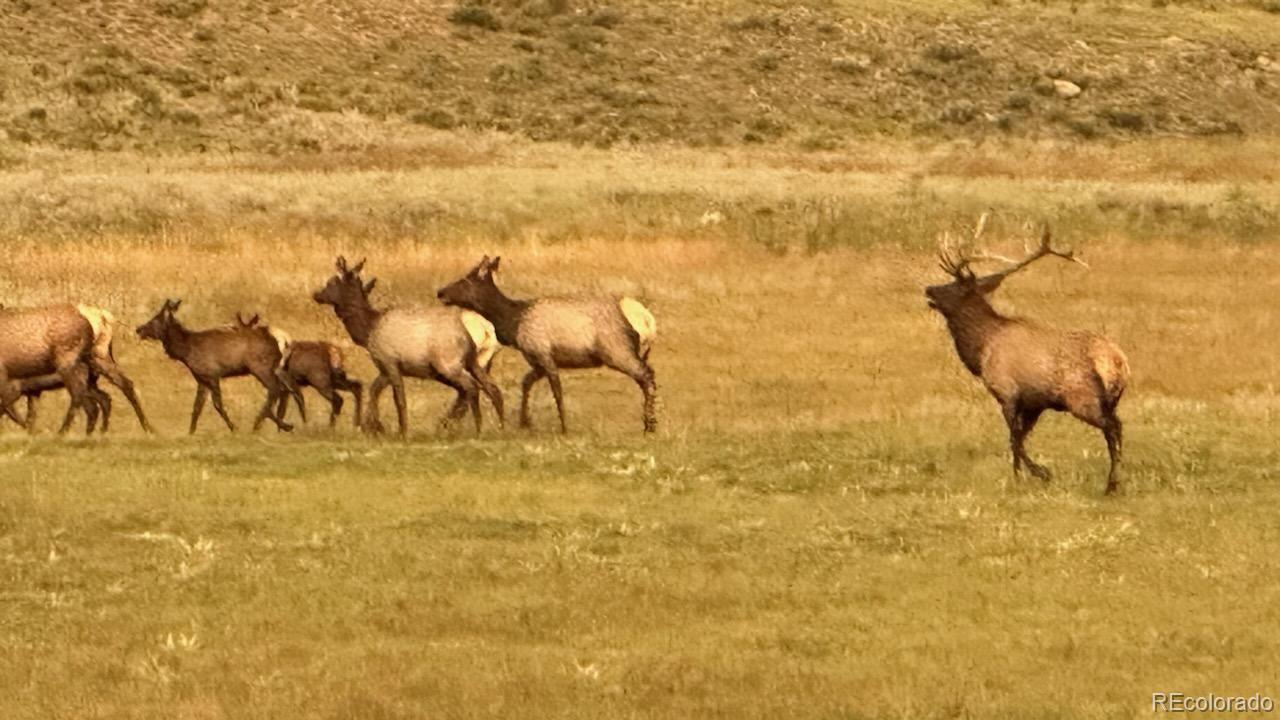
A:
x: 952, y: 260
x: 1044, y: 250
x: 955, y: 260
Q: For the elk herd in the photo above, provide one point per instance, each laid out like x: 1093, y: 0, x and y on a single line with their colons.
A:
x: 1027, y: 367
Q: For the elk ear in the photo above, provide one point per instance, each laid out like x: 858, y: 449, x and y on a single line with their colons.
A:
x: 359, y: 266
x: 174, y: 305
x: 493, y: 264
x: 368, y: 287
x: 341, y: 265
x: 481, y: 270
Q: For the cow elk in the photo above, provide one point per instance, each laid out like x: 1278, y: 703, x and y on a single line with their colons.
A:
x: 452, y: 346
x: 1026, y: 366
x: 102, y: 363
x: 557, y: 334
x: 36, y: 342
x: 211, y: 355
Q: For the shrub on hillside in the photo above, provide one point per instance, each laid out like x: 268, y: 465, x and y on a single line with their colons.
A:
x: 437, y: 118
x: 475, y: 16
x: 606, y: 17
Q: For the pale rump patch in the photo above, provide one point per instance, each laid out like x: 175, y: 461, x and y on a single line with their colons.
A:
x: 335, y: 357
x: 482, y: 335
x: 103, y: 323
x: 283, y: 341
x: 641, y: 320
x: 1112, y: 367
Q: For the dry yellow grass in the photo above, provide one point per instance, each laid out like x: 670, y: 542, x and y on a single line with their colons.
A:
x: 825, y: 525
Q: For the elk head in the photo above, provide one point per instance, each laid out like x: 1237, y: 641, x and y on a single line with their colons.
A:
x: 471, y: 289
x: 346, y: 286
x: 158, y: 325
x: 965, y: 285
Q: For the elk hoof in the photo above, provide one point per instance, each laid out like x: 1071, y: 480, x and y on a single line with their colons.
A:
x: 1112, y: 487
x: 1041, y: 472
x: 373, y: 427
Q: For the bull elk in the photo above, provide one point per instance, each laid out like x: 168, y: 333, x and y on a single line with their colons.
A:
x: 1026, y: 366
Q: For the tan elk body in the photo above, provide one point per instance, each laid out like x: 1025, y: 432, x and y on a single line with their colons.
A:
x: 446, y: 344
x: 557, y: 334
x: 1029, y: 367
x: 102, y: 363
x: 54, y: 340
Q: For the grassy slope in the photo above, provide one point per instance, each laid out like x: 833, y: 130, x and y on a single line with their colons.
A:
x: 289, y: 77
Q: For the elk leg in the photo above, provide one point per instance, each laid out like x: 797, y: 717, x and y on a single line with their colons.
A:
x: 276, y: 391
x: 31, y: 413
x: 468, y: 396
x: 490, y: 388
x: 1021, y: 421
x: 526, y: 385
x: 1029, y: 419
x: 104, y: 404
x: 215, y: 390
x: 335, y: 402
x: 198, y: 407
x: 642, y: 373
x: 76, y: 380
x: 323, y: 384
x: 553, y: 377
x: 342, y: 382
x: 373, y: 423
x: 92, y: 399
x: 282, y: 407
x: 402, y: 403
x: 1113, y: 431
x: 456, y: 410
x: 291, y: 388
x: 116, y: 377
x: 9, y: 394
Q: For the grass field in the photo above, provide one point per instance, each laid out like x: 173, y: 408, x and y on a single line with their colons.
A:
x: 824, y: 526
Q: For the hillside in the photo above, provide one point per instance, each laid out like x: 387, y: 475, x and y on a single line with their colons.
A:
x: 332, y: 75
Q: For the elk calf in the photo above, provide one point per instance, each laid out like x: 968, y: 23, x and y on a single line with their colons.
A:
x: 445, y: 344
x: 562, y: 333
x: 33, y: 388
x: 1027, y: 367
x: 212, y: 355
x: 318, y: 364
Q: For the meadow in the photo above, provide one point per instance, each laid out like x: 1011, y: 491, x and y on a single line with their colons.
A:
x: 825, y: 524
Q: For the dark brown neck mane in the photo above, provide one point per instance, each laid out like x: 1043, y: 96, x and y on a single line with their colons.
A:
x: 359, y: 317
x: 972, y: 324
x: 176, y: 340
x: 503, y: 312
